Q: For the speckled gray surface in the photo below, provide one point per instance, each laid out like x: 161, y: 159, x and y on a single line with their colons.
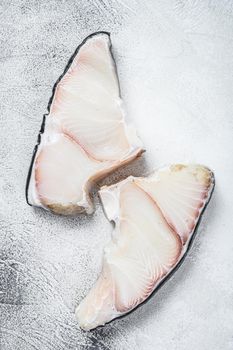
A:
x: 175, y: 62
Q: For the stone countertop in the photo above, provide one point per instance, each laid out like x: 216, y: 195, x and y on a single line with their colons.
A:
x: 175, y: 64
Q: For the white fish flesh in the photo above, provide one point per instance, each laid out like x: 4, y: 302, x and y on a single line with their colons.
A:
x: 84, y: 136
x: 155, y: 219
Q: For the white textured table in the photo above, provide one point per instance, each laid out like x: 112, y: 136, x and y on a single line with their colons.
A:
x: 175, y: 63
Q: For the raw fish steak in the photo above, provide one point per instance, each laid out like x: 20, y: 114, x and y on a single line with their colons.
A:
x: 155, y: 220
x: 84, y: 136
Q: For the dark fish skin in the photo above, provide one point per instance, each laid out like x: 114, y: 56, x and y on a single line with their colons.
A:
x: 42, y: 128
x: 175, y: 268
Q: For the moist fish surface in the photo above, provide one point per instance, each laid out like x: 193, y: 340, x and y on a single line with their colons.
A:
x: 84, y: 135
x: 155, y: 219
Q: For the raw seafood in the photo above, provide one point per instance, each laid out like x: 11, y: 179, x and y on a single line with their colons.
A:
x: 155, y: 219
x: 84, y: 136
